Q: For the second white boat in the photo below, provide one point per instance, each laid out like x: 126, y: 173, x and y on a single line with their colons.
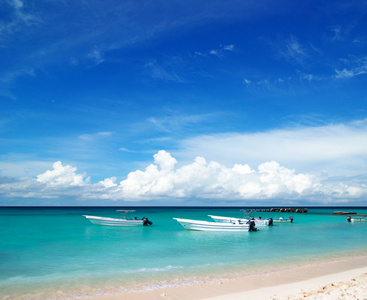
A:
x: 349, y: 219
x: 212, y: 226
x: 219, y: 219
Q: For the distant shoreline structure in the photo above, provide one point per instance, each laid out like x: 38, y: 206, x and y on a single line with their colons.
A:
x: 294, y: 210
x: 344, y: 213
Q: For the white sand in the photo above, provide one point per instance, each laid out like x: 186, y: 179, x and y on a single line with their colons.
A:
x: 343, y: 279
x: 345, y: 285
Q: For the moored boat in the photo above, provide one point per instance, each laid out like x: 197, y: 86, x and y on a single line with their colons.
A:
x: 282, y: 220
x: 212, y: 226
x: 219, y: 219
x: 126, y: 220
x: 349, y: 219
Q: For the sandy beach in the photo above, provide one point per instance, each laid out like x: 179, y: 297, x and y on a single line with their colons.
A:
x: 342, y: 279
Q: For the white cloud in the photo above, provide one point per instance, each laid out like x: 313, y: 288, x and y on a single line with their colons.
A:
x: 355, y: 66
x: 220, y: 51
x: 96, y: 55
x: 125, y: 149
x: 308, y: 77
x: 228, y: 47
x: 156, y: 71
x: 336, y: 30
x: 200, y: 179
x: 19, y: 166
x: 212, y: 180
x: 173, y: 121
x: 62, y: 176
x: 108, y: 182
x: 341, y: 149
x: 328, y: 165
x: 292, y: 49
x: 344, y: 73
x: 90, y: 137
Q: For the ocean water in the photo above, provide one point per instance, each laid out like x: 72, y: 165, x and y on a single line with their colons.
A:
x: 54, y: 252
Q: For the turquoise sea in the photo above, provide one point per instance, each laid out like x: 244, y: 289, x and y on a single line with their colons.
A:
x: 54, y: 252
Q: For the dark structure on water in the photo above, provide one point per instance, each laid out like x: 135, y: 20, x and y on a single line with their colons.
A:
x: 293, y: 210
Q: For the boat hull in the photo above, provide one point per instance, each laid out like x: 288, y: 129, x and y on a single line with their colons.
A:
x: 282, y: 221
x: 113, y: 222
x: 359, y: 220
x: 220, y: 219
x: 212, y: 226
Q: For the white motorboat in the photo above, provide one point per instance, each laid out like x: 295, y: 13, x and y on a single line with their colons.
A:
x: 212, y: 226
x: 349, y: 219
x: 219, y: 219
x: 125, y: 220
x: 282, y: 220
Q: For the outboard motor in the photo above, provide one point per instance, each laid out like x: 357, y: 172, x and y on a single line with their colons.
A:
x: 291, y: 218
x: 349, y: 219
x: 270, y: 221
x: 146, y: 222
x: 252, y: 225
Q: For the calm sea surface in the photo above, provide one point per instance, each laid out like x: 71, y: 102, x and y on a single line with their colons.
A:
x: 56, y: 251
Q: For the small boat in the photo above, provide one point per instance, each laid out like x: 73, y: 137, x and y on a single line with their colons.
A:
x: 282, y: 220
x: 349, y: 219
x: 212, y: 226
x: 125, y: 220
x: 258, y: 222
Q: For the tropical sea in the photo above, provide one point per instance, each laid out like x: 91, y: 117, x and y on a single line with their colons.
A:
x: 56, y: 253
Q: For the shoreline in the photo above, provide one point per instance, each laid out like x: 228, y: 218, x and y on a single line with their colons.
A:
x: 278, y: 284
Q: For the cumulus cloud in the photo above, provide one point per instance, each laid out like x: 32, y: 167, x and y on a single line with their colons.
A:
x: 62, y: 176
x: 212, y: 180
x: 108, y: 182
x: 164, y: 179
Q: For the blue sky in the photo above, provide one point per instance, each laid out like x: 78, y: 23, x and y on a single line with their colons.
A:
x: 183, y: 102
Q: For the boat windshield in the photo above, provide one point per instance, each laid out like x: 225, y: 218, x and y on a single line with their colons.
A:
x: 247, y: 214
x: 125, y: 214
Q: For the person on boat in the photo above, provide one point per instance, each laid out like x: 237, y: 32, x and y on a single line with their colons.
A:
x: 270, y: 221
x: 349, y: 219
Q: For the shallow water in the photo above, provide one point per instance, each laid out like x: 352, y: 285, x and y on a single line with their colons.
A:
x: 57, y: 249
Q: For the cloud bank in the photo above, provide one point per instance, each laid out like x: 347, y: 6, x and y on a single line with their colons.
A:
x: 339, y: 149
x: 164, y: 180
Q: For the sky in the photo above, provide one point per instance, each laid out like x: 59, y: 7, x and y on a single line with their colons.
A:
x: 118, y: 102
